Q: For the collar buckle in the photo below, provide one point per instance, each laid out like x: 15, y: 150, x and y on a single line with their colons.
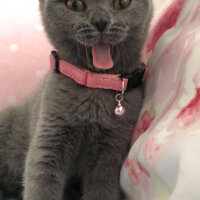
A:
x: 56, y: 58
x: 135, y: 78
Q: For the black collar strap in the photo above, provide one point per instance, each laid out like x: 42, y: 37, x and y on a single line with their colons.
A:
x: 136, y: 78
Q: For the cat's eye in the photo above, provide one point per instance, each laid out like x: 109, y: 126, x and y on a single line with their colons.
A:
x: 75, y: 5
x: 121, y: 4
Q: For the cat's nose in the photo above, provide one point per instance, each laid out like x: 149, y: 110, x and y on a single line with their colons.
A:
x: 100, y: 20
x: 101, y: 25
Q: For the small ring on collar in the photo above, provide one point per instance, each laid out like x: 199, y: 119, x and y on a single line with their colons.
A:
x: 119, y: 97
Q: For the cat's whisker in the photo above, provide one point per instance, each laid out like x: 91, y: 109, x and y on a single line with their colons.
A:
x: 78, y: 55
x: 127, y: 57
x: 122, y: 55
x: 88, y: 59
x: 78, y: 48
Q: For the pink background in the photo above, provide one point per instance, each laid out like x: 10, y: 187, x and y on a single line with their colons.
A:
x: 24, y: 50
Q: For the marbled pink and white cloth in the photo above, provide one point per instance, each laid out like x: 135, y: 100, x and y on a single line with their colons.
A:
x: 164, y: 162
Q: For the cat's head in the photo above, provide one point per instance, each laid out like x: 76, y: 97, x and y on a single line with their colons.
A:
x: 98, y: 34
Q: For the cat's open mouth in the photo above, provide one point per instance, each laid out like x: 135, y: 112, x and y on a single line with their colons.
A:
x: 101, y: 56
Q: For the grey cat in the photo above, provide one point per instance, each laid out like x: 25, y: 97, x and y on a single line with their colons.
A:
x: 65, y: 141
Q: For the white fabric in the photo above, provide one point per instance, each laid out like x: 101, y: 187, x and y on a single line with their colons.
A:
x: 164, y: 162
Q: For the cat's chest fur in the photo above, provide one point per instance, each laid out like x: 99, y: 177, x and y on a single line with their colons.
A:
x: 87, y: 118
x: 79, y: 105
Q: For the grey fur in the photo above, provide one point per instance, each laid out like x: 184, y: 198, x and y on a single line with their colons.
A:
x: 65, y: 141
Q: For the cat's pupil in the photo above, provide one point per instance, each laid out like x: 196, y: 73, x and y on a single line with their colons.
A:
x: 122, y: 3
x: 75, y: 5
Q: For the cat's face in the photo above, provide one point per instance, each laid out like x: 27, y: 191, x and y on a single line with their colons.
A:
x: 86, y: 31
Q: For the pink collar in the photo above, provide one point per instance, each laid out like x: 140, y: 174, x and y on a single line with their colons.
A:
x: 95, y: 80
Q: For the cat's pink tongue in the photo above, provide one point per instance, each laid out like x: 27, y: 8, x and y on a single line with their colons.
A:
x: 101, y: 56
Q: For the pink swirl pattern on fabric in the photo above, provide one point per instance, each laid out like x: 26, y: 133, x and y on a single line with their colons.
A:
x: 167, y: 137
